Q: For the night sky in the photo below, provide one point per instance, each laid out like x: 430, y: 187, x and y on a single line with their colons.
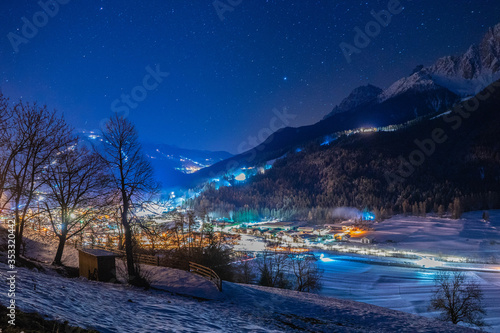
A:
x: 225, y: 76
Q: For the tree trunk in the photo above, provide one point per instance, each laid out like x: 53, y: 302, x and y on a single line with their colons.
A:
x: 120, y: 236
x: 129, y: 251
x: 128, y: 246
x: 60, y: 249
x: 18, y: 237
x: 62, y: 241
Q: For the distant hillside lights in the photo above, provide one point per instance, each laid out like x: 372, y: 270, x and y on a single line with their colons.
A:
x: 257, y: 143
x: 372, y: 29
x: 29, y: 30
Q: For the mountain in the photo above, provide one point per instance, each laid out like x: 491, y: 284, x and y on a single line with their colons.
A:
x: 170, y: 163
x: 452, y: 160
x: 417, y: 82
x: 428, y: 90
x: 464, y: 74
x: 183, y: 160
x: 412, y: 103
x: 479, y: 60
x: 359, y: 96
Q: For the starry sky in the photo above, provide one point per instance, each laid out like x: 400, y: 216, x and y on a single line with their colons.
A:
x: 225, y: 77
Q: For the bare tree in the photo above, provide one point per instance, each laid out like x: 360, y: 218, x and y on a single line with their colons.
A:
x: 5, y: 112
x: 183, y: 232
x: 245, y: 271
x: 37, y: 136
x: 306, y: 274
x: 273, y: 267
x: 6, y: 152
x: 155, y: 232
x: 132, y: 177
x: 458, y: 299
x: 76, y: 183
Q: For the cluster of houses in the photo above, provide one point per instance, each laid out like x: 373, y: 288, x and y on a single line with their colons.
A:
x: 288, y: 233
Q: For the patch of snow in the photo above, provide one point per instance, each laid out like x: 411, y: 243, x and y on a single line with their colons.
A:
x: 469, y: 236
x: 417, y: 81
x: 43, y: 248
x: 398, y: 288
x: 441, y: 114
x: 464, y: 87
x: 111, y: 308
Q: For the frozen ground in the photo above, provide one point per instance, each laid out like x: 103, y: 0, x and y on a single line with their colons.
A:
x: 240, y: 308
x: 250, y: 243
x: 469, y: 236
x: 43, y: 248
x: 409, y: 289
x: 398, y: 288
x: 244, y: 308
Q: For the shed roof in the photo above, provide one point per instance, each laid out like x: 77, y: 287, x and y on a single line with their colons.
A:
x: 99, y: 252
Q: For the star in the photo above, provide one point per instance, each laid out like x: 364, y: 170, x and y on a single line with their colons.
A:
x: 223, y: 63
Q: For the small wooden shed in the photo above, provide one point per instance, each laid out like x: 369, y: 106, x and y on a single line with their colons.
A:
x: 97, y: 264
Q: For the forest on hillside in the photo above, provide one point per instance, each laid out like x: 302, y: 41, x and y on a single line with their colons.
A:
x: 386, y: 172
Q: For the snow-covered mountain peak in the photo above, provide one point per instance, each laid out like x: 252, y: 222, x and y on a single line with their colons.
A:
x: 357, y: 97
x: 450, y: 77
x: 489, y: 49
x: 420, y: 81
x: 463, y: 74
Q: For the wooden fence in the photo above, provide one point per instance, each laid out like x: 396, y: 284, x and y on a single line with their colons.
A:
x: 206, y: 273
x: 155, y: 261
x: 139, y: 258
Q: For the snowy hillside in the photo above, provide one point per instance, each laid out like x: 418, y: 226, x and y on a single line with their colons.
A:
x: 42, y: 248
x: 239, y: 308
x: 470, y: 236
x: 464, y: 75
x: 183, y: 302
x: 418, y: 82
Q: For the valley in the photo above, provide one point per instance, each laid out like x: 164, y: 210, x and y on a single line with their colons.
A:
x: 250, y: 166
x: 398, y: 271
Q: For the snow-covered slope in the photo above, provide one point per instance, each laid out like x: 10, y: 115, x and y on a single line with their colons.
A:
x: 464, y: 75
x: 241, y: 308
x: 469, y: 236
x: 42, y: 248
x: 417, y: 82
x: 478, y: 60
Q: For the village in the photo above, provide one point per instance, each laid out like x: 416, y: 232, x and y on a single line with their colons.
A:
x: 297, y: 234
